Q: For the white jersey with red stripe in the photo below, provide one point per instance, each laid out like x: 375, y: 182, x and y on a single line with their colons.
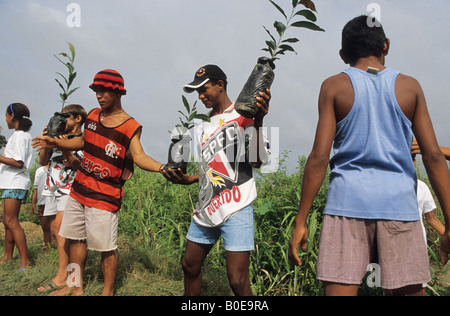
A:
x: 226, y: 176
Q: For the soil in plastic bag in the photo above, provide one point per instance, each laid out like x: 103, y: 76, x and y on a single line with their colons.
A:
x: 260, y: 79
x: 2, y: 141
x: 179, y: 153
x: 57, y: 125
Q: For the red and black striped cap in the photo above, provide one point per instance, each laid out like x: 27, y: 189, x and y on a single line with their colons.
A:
x: 109, y: 79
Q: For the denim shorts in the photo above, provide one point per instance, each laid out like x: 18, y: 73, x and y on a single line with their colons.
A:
x: 238, y: 232
x: 15, y: 194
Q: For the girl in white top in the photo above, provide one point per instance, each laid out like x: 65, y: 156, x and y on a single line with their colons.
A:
x: 15, y: 180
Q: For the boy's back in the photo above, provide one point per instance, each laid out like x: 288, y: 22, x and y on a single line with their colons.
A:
x: 372, y: 175
x: 339, y: 87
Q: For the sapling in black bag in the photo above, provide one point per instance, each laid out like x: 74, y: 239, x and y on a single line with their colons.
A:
x: 179, y: 153
x: 57, y: 124
x: 260, y: 80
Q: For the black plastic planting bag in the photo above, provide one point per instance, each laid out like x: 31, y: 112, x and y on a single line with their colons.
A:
x: 2, y: 141
x: 260, y: 79
x: 57, y: 125
x: 179, y: 153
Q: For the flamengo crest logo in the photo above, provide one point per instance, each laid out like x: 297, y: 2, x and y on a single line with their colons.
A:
x: 112, y: 150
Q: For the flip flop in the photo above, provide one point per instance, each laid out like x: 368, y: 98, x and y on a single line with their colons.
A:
x: 22, y: 270
x: 49, y: 286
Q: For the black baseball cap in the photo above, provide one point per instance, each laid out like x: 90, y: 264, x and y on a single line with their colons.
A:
x: 203, y: 76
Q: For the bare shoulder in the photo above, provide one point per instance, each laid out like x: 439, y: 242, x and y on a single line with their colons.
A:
x: 408, y: 82
x: 409, y: 95
x: 336, y: 82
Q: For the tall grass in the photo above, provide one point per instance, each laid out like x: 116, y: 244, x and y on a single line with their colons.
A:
x: 158, y: 214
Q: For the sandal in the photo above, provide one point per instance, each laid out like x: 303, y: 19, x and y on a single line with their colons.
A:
x: 49, y: 286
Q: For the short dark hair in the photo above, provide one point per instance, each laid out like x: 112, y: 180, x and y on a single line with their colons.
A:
x: 76, y: 109
x: 216, y: 81
x: 359, y: 39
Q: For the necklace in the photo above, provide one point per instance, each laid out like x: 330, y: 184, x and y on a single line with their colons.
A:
x: 112, y: 114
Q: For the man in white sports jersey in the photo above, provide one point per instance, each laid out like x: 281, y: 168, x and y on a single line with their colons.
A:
x: 230, y: 147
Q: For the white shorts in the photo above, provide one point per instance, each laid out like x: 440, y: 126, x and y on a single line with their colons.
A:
x: 55, y: 204
x: 97, y: 227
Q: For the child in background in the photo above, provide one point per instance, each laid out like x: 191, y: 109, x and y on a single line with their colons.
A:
x: 426, y: 201
x: 63, y: 167
x: 38, y: 202
x: 15, y: 181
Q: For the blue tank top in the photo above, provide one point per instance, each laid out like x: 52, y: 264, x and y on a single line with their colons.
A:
x: 372, y: 173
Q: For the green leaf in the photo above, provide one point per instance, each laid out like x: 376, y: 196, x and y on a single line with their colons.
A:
x: 186, y: 104
x: 192, y: 116
x: 187, y: 119
x: 308, y: 25
x: 203, y: 117
x: 268, y: 32
x: 280, y: 27
x: 60, y: 84
x: 307, y: 14
x: 287, y: 48
x: 271, y: 45
x: 72, y: 91
x: 279, y: 8
x: 308, y: 4
x: 72, y: 50
x: 291, y: 40
x: 294, y: 3
x: 63, y: 78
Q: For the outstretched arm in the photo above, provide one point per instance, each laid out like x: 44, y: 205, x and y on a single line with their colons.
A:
x: 415, y: 150
x: 140, y: 158
x: 45, y: 142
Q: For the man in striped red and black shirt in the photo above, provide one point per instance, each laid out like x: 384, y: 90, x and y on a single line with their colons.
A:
x: 111, y: 144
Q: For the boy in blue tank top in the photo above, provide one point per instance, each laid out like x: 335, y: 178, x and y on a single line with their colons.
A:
x: 369, y: 114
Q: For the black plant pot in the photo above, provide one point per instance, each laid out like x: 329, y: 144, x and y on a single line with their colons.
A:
x: 2, y: 141
x: 57, y: 125
x: 179, y: 153
x: 260, y: 80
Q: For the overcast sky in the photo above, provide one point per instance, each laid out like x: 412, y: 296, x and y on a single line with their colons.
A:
x: 157, y: 46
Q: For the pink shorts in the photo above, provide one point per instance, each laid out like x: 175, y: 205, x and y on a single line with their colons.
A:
x: 348, y: 246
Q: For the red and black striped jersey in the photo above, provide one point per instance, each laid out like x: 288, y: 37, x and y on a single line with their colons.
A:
x: 100, y: 179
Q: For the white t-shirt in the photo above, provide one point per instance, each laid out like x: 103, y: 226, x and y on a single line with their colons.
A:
x: 60, y: 174
x: 426, y: 202
x: 18, y: 148
x: 226, y: 177
x: 39, y: 182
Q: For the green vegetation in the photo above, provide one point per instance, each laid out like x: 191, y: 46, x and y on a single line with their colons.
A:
x: 68, y: 81
x: 276, y: 47
x: 153, y: 225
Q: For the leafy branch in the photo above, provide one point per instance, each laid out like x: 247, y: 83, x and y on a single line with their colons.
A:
x: 276, y: 47
x: 187, y: 119
x: 67, y: 91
